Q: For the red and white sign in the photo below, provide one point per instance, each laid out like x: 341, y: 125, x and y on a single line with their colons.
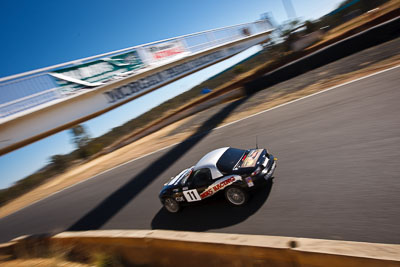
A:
x: 219, y: 185
x: 252, y: 158
x: 166, y: 50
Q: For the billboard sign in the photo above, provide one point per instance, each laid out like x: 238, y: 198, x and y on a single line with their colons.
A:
x: 166, y: 50
x: 98, y: 72
x: 165, y: 76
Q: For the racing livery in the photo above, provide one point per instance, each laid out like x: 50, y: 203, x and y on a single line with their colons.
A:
x: 229, y: 170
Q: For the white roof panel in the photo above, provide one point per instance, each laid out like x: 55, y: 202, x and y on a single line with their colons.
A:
x: 210, y: 161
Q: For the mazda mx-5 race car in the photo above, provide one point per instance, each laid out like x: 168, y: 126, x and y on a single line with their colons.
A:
x: 229, y: 170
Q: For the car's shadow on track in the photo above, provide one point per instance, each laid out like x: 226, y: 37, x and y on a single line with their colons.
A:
x: 213, y: 214
x: 114, y: 202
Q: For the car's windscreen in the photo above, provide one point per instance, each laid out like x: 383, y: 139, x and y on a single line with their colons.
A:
x: 229, y: 159
x: 186, y: 175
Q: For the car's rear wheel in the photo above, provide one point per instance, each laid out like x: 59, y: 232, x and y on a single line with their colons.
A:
x: 236, y: 196
x: 171, y: 205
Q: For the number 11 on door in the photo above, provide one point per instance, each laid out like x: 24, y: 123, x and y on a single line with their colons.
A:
x: 191, y: 195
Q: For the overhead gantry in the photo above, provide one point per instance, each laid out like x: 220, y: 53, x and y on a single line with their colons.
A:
x: 36, y: 104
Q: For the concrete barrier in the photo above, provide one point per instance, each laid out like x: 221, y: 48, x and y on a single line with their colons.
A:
x: 173, y: 248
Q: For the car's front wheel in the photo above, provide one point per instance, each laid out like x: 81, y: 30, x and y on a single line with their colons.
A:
x: 171, y: 205
x: 236, y: 196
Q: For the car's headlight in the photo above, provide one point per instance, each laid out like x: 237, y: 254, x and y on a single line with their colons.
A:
x: 256, y: 172
x: 264, y: 171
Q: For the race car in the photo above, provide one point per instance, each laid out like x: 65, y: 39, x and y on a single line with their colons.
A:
x: 229, y: 170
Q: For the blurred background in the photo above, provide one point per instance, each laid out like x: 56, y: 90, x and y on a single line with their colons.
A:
x: 300, y: 37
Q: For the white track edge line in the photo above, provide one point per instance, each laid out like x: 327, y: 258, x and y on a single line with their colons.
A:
x: 222, y: 126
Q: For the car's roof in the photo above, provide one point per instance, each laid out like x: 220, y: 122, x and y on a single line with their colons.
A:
x: 210, y: 161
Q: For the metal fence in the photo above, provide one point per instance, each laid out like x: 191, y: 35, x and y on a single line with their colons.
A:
x: 27, y: 90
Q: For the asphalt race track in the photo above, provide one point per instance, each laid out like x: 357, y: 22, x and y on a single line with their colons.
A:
x: 338, y: 175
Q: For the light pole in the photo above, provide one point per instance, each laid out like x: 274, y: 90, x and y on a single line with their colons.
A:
x: 289, y: 9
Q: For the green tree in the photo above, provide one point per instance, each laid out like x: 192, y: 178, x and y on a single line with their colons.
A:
x: 59, y: 163
x: 80, y: 138
x: 310, y: 26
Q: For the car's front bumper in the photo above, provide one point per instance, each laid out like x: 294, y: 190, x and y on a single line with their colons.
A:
x: 265, y: 175
x: 270, y: 171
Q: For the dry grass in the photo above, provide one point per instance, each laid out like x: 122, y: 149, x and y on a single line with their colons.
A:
x: 42, y: 262
x: 357, y: 22
x: 82, y: 172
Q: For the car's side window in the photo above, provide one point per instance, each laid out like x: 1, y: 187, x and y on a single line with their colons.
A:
x: 201, y: 177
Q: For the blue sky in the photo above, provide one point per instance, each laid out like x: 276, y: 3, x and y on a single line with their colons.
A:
x: 41, y: 33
